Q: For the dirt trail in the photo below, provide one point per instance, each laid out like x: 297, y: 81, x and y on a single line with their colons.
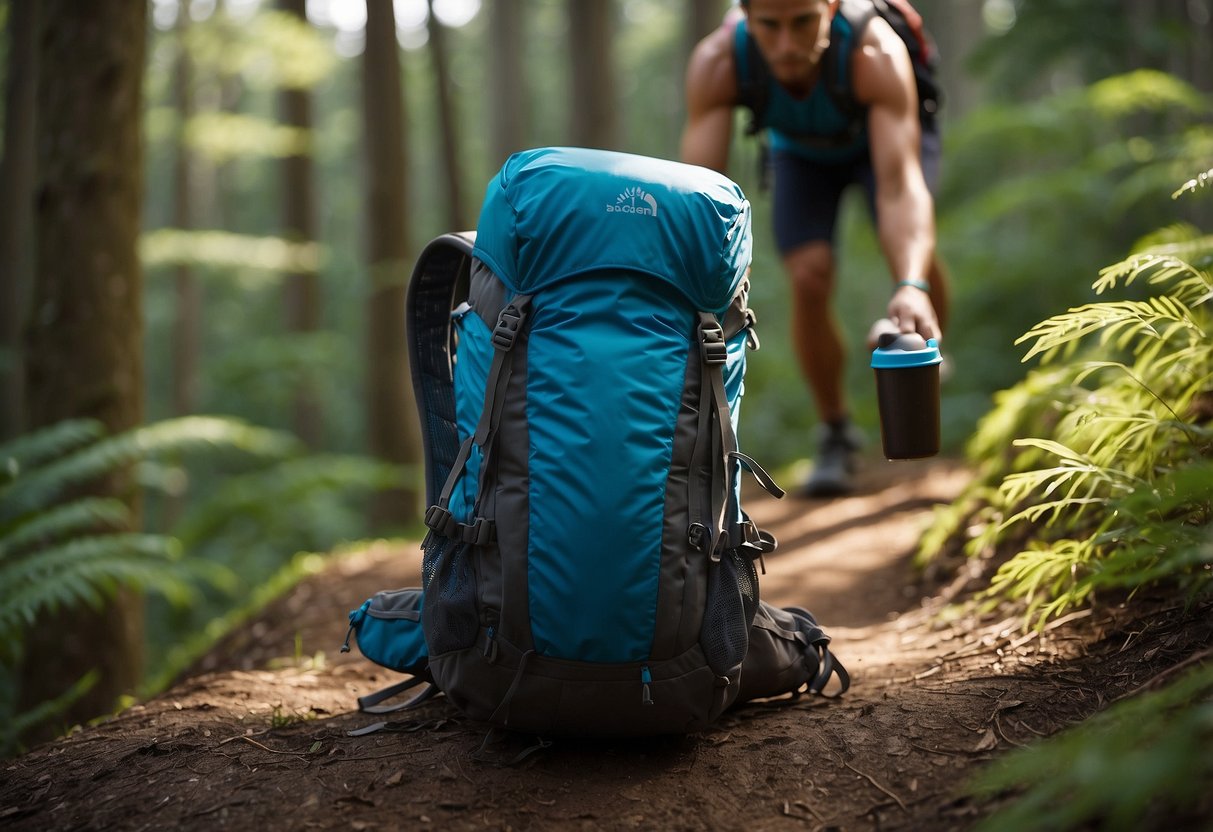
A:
x: 256, y: 740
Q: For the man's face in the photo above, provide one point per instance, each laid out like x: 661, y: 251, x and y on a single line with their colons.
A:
x: 791, y: 34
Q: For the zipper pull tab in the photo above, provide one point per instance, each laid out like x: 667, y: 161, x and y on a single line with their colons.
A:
x: 345, y: 648
x: 646, y: 679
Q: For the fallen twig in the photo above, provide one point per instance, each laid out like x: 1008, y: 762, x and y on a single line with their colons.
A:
x: 872, y: 780
x: 1193, y: 659
x: 252, y: 741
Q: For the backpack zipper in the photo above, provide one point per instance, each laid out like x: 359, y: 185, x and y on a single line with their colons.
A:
x: 490, y: 645
x: 646, y: 679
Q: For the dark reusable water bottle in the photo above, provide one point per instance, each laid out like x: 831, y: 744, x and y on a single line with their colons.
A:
x: 907, y: 391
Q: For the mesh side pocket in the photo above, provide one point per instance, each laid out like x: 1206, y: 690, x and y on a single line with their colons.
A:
x: 432, y: 548
x: 732, y: 599
x: 449, y: 614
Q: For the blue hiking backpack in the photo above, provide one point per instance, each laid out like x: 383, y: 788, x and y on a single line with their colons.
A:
x: 578, y: 367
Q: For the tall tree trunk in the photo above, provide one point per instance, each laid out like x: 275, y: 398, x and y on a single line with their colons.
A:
x: 16, y: 203
x: 187, y: 329
x: 508, y: 102
x: 592, y: 94
x: 393, y: 431
x: 1140, y: 17
x: 702, y: 16
x: 302, y: 290
x: 957, y: 27
x: 86, y: 328
x: 456, y: 217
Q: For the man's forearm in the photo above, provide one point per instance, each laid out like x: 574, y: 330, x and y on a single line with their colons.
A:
x: 907, y: 233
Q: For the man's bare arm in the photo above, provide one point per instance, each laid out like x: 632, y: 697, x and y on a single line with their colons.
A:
x: 884, y: 81
x: 711, y: 93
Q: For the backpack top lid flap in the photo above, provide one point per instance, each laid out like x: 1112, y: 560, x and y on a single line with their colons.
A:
x: 552, y: 213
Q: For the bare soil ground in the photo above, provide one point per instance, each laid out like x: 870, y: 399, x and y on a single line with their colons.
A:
x: 257, y: 738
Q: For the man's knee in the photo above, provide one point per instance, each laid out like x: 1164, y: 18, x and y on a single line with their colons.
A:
x: 810, y: 269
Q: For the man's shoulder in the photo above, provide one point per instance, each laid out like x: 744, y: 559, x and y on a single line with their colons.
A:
x: 880, y: 58
x: 712, y: 71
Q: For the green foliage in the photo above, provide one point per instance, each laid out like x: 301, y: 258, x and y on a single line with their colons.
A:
x: 1078, y: 40
x: 61, y: 547
x: 1095, y: 471
x: 1065, y: 179
x: 1115, y: 491
x: 273, y: 50
x: 1142, y: 758
x: 240, y: 253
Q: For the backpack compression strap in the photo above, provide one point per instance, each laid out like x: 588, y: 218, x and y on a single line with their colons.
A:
x: 753, y: 78
x: 438, y: 517
x: 836, y: 68
x: 715, y: 423
x: 712, y: 501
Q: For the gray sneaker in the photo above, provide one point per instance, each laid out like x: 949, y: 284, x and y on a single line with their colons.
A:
x: 834, y: 466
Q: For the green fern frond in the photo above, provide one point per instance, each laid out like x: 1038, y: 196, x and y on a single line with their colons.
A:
x: 81, y: 516
x: 1045, y: 577
x: 1157, y: 267
x: 26, y: 451
x: 88, y: 570
x: 1071, y: 507
x: 192, y: 433
x: 259, y: 492
x: 1118, y: 319
x: 1032, y: 401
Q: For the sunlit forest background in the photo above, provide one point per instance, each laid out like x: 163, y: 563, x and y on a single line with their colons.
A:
x: 296, y: 156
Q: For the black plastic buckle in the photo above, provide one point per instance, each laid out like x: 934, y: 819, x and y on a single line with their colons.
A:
x: 480, y: 532
x: 745, y: 533
x: 696, y: 534
x: 712, y: 345
x: 439, y: 519
x: 506, y: 331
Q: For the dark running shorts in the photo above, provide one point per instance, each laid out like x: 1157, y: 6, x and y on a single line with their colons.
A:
x: 807, y: 193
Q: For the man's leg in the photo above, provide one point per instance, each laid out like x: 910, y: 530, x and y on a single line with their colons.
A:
x: 806, y: 203
x: 815, y: 336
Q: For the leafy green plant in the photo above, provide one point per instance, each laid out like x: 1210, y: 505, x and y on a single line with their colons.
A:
x: 61, y: 548
x: 1112, y: 489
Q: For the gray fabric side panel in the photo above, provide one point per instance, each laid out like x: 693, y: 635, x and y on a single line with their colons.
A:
x: 735, y: 319
x: 683, y: 582
x: 486, y: 294
x: 509, y: 488
x: 779, y: 659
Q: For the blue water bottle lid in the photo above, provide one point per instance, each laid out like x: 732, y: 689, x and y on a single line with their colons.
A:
x: 905, y: 350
